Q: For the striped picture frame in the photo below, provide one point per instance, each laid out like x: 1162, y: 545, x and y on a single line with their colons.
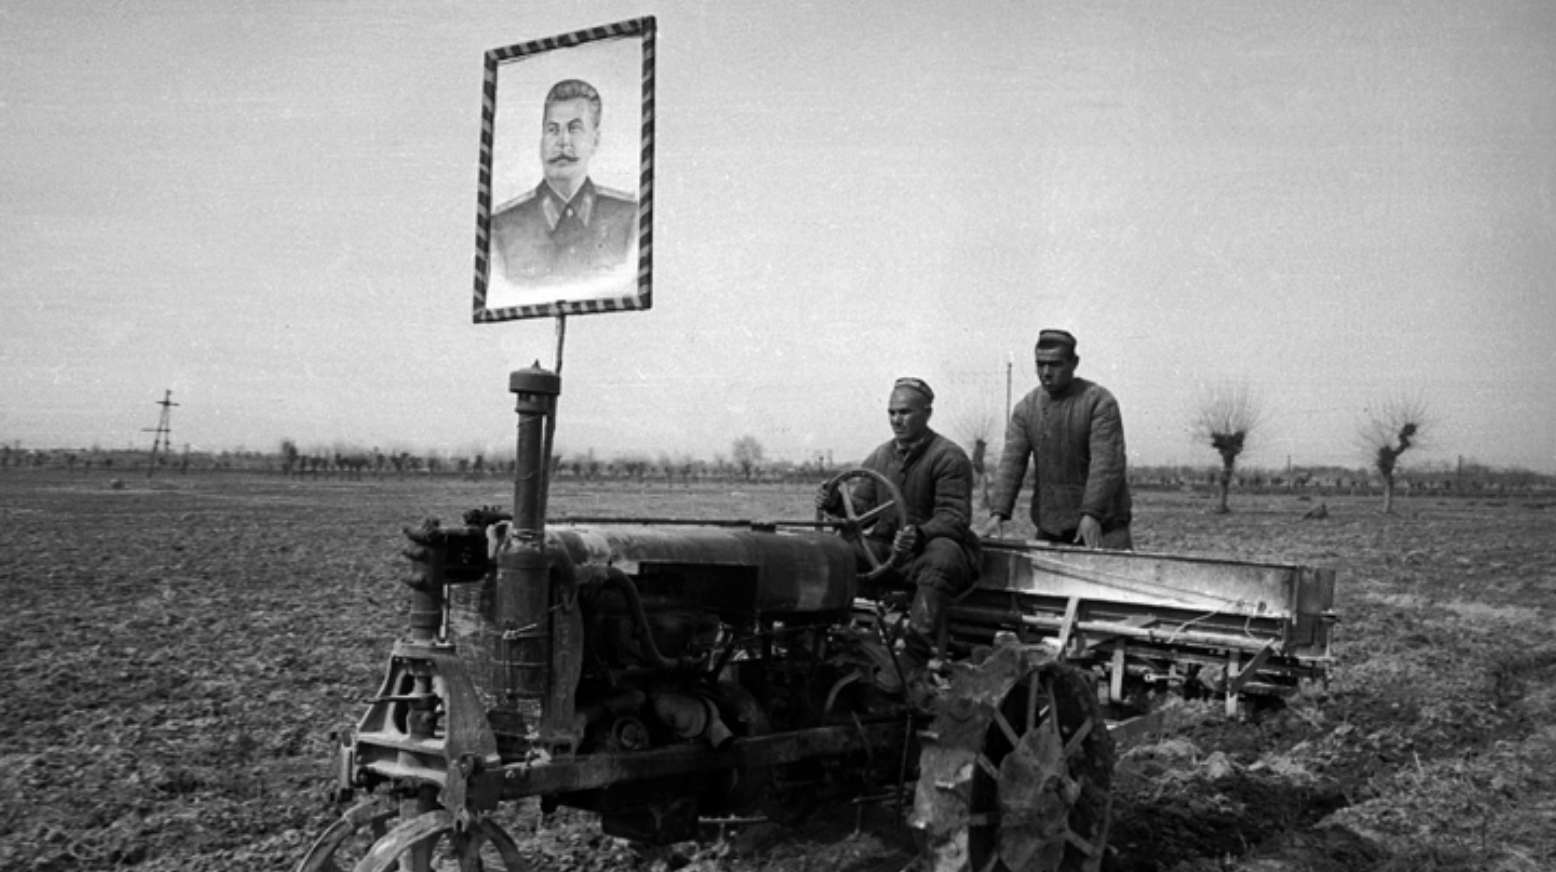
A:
x: 521, y: 270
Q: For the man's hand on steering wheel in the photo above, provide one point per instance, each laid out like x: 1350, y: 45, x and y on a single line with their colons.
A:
x: 826, y: 498
x: 835, y: 508
x: 907, y: 540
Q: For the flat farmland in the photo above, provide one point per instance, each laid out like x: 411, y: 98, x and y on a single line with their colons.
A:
x: 177, y: 651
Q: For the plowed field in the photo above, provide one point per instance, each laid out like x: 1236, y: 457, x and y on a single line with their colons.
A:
x: 177, y: 651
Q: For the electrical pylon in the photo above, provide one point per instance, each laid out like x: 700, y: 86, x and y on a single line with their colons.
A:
x: 163, y: 441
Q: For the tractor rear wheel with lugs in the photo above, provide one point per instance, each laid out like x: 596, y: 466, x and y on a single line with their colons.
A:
x: 1016, y: 772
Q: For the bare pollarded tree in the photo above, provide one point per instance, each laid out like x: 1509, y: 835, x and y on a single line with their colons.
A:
x: 978, y: 429
x: 1227, y: 417
x: 1388, y: 429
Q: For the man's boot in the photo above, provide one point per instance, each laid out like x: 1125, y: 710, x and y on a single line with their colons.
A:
x: 920, y: 648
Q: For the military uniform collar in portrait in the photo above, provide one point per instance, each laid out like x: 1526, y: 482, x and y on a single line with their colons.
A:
x: 582, y: 205
x: 539, y: 237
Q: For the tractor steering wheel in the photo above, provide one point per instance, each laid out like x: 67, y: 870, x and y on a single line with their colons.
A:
x: 852, y: 526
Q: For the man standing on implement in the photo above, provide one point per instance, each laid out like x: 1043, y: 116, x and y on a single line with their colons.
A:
x: 1073, y: 428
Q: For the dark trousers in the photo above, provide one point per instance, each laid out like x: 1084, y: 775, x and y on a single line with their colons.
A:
x: 937, y: 574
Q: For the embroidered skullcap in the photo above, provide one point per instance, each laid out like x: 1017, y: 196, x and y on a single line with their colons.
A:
x: 915, y: 384
x: 1052, y: 340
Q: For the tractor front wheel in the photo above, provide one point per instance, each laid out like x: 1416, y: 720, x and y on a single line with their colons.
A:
x: 377, y: 837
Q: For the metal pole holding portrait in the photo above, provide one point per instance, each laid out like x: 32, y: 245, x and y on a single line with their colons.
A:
x: 565, y: 200
x: 564, y: 207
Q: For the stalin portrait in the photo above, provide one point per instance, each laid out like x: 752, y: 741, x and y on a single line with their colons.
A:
x: 567, y: 227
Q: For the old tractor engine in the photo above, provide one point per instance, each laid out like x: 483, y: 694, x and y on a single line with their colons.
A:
x: 659, y: 673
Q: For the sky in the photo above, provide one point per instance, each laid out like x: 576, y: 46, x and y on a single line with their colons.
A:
x: 269, y: 208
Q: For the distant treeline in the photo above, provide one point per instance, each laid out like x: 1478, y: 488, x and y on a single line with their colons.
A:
x: 1468, y: 477
x: 1426, y: 479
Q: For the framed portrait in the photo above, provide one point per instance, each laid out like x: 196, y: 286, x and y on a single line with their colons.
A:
x: 565, y: 200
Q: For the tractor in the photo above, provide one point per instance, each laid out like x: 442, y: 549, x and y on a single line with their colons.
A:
x: 659, y: 672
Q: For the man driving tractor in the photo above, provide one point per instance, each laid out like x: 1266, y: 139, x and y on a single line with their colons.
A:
x: 937, y: 551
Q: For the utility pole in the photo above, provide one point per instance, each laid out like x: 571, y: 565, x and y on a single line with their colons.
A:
x: 164, y: 430
x: 1010, y: 363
